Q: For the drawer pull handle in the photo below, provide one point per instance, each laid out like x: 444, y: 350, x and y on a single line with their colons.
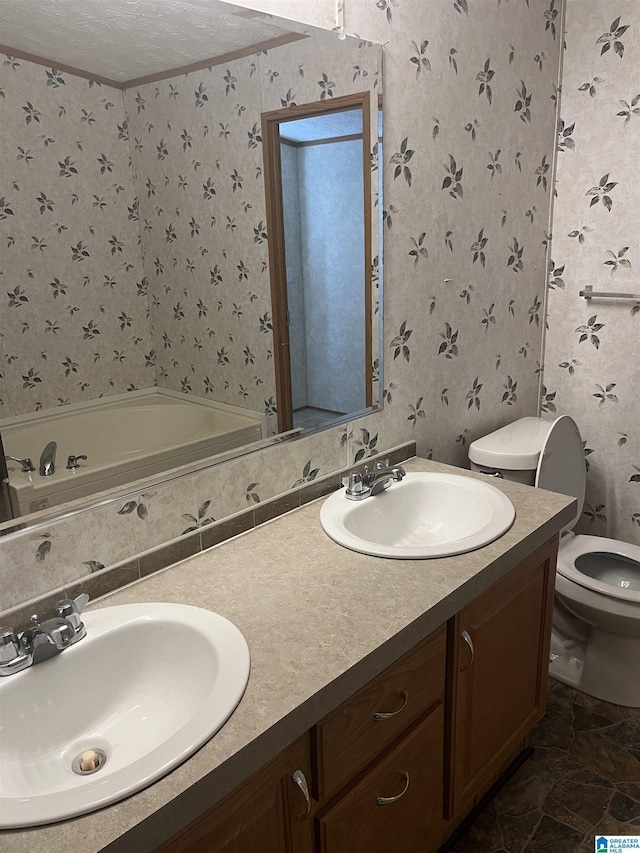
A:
x: 386, y: 801
x: 386, y: 715
x: 300, y: 780
x: 467, y: 638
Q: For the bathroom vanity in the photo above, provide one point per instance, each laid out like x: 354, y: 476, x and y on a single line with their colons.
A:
x: 399, y: 764
x: 385, y: 696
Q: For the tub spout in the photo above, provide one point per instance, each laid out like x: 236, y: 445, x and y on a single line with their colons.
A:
x: 48, y: 460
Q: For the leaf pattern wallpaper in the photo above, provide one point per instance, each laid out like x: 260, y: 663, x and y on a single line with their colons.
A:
x: 74, y: 312
x: 592, y: 350
x: 470, y: 103
x: 149, y: 264
x: 173, y: 179
x: 197, y: 158
x: 198, y: 165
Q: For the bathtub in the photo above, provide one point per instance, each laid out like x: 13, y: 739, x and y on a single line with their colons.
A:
x: 125, y: 438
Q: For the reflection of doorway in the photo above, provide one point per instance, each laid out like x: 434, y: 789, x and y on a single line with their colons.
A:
x: 318, y: 193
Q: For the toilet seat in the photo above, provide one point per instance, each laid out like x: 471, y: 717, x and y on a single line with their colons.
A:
x: 561, y: 468
x: 574, y: 547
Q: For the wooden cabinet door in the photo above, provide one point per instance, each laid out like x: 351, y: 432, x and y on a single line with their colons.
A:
x: 499, y: 663
x: 267, y: 814
x: 396, y: 806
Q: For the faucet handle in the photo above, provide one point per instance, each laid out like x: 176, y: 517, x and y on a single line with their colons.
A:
x: 356, y: 486
x: 353, y: 483
x: 9, y: 645
x: 72, y: 610
x: 73, y: 462
x: 351, y: 480
x: 27, y: 466
x: 81, y: 602
x: 64, y: 608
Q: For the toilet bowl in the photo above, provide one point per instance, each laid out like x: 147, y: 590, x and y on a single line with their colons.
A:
x: 595, y: 643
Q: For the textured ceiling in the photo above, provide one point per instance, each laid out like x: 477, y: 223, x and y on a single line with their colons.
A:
x: 126, y: 39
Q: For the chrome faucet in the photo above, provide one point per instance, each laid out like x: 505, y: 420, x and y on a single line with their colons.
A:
x: 26, y: 463
x: 372, y: 482
x: 48, y: 460
x: 42, y: 641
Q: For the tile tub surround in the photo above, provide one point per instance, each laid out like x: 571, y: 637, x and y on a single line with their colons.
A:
x: 320, y: 621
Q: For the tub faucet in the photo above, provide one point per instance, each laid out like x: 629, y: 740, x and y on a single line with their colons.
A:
x: 48, y: 460
x: 43, y: 640
x: 359, y: 486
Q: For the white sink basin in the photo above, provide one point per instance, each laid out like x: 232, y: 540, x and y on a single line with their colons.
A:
x: 422, y: 516
x: 148, y: 685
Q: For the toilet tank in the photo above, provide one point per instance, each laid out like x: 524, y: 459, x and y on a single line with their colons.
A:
x: 512, y: 451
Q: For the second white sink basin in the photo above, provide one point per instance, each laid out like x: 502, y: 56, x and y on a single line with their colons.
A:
x: 148, y: 685
x: 424, y: 515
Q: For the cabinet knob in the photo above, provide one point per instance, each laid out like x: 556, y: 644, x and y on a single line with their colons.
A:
x: 466, y: 636
x: 301, y: 781
x: 386, y: 715
x: 386, y: 801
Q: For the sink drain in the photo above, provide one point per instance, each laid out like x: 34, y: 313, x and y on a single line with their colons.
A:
x: 89, y: 761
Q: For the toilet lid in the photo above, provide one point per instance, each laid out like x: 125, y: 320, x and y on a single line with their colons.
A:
x: 562, y: 467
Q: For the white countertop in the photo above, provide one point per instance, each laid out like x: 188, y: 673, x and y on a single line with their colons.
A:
x: 320, y: 622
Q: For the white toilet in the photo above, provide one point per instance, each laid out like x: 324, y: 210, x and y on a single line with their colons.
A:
x: 595, y: 642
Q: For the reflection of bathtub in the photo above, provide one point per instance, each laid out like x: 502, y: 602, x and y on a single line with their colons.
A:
x: 125, y: 437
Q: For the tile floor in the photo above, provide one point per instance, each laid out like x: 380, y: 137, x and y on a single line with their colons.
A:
x: 582, y: 780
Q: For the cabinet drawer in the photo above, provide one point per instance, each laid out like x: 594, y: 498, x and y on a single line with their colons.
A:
x: 352, y: 735
x: 359, y: 822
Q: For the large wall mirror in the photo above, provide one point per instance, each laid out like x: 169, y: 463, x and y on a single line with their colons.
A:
x: 139, y: 330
